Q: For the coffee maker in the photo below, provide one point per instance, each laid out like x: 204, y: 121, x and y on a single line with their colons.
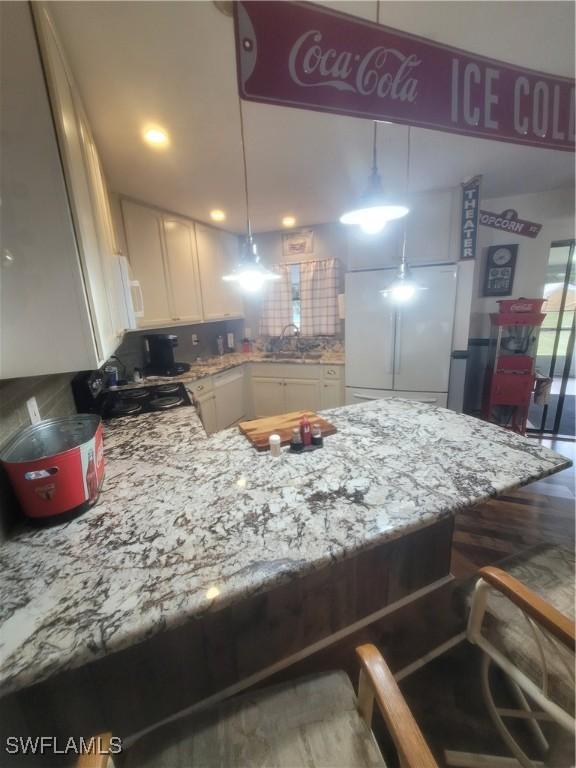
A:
x: 160, y: 349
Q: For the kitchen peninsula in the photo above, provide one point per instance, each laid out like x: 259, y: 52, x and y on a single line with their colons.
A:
x: 199, y: 542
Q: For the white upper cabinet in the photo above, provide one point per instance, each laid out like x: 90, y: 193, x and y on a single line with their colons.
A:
x: 182, y: 269
x: 145, y: 249
x: 179, y: 265
x: 217, y: 256
x: 55, y: 315
x: 86, y: 189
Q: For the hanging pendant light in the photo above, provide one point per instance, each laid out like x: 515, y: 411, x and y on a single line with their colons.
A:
x: 403, y: 288
x: 374, y: 209
x: 249, y: 273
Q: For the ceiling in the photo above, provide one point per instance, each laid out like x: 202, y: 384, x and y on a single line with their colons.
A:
x: 173, y: 64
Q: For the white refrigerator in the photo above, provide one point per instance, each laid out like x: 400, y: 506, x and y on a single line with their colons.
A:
x: 399, y: 350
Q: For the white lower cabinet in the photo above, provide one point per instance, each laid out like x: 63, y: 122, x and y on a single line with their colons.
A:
x: 301, y: 394
x: 243, y: 393
x: 208, y: 414
x: 267, y: 396
x: 289, y: 387
x: 230, y: 399
x: 331, y: 394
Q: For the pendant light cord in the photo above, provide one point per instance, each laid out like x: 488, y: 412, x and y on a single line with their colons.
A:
x: 375, y: 131
x: 246, y: 197
x: 408, y: 148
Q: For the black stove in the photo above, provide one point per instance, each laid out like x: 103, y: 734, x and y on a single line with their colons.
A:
x: 131, y: 402
x: 91, y: 397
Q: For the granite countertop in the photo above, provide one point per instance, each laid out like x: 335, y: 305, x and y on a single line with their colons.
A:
x: 187, y: 524
x: 213, y: 365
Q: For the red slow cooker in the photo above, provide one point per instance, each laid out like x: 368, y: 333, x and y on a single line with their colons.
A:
x: 56, y: 467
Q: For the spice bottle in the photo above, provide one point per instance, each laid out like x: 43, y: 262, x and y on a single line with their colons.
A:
x: 274, y: 442
x: 317, y: 435
x: 296, y: 441
x: 305, y: 431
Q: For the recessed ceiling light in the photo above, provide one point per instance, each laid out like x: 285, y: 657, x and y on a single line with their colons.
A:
x: 156, y: 137
x: 288, y: 221
x: 217, y: 215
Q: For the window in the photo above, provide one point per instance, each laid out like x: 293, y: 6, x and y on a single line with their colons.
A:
x: 295, y: 294
x: 306, y: 295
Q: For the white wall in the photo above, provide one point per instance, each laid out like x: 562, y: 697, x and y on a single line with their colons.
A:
x: 555, y: 211
x: 432, y: 236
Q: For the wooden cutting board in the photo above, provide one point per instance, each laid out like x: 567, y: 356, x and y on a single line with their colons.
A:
x: 259, y: 430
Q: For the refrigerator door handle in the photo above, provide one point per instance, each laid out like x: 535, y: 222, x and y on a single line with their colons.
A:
x: 397, y: 342
x: 392, y: 345
x: 365, y: 397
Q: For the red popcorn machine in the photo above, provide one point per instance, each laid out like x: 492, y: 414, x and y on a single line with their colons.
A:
x: 510, y: 374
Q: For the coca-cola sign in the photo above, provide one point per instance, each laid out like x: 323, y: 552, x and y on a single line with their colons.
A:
x: 312, y: 57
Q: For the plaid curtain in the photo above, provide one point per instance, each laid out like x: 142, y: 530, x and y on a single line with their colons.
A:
x: 277, y: 304
x: 319, y: 298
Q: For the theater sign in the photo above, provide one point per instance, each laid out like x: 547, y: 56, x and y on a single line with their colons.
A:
x: 312, y: 57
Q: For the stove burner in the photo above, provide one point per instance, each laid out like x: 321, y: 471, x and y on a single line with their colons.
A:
x: 166, y: 389
x: 134, y: 394
x: 125, y: 408
x: 163, y: 403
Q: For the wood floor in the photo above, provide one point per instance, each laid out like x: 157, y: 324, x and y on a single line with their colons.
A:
x: 542, y: 512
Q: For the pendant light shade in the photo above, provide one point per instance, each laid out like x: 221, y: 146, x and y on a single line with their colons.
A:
x: 403, y: 288
x: 374, y: 209
x: 249, y: 273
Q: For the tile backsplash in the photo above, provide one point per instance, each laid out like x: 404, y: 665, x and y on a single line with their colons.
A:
x: 54, y: 397
x: 131, y: 352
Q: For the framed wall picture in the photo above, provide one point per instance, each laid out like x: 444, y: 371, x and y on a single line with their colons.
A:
x: 500, y: 267
x: 297, y: 243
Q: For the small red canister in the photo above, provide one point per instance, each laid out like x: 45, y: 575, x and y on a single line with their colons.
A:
x: 56, y: 467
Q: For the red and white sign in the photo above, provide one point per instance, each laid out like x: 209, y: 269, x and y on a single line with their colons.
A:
x: 508, y: 221
x: 304, y: 55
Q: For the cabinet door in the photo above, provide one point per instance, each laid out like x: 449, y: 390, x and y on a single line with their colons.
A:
x: 268, y: 397
x: 78, y: 182
x: 331, y: 395
x: 217, y: 254
x: 301, y: 395
x: 369, y: 330
x: 424, y: 329
x: 42, y: 294
x: 118, y: 296
x: 229, y: 391
x: 182, y: 269
x: 144, y: 237
x: 208, y: 415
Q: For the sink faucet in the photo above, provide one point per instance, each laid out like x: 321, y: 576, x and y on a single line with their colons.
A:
x: 290, y: 325
x: 277, y: 344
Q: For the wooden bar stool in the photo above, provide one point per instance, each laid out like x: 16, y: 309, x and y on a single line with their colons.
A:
x: 522, y: 619
x: 314, y: 722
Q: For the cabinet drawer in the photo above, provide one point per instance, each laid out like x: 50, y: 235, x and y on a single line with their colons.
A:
x: 287, y: 370
x: 362, y: 395
x: 332, y: 372
x: 201, y: 387
x: 227, y: 377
